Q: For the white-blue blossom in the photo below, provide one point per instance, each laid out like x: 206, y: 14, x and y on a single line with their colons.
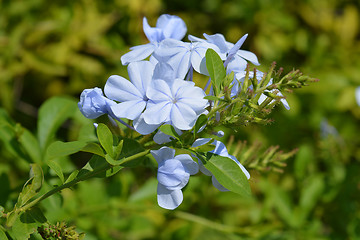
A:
x: 184, y: 56
x: 93, y: 103
x: 236, y: 58
x: 173, y: 174
x: 177, y: 102
x: 220, y: 149
x: 167, y: 26
x: 131, y: 95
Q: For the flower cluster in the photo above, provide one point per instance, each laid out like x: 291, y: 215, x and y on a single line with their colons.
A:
x: 160, y: 91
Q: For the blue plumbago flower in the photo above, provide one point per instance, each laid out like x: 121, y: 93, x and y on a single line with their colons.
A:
x: 167, y: 26
x: 131, y: 94
x: 236, y: 59
x: 240, y: 77
x: 221, y: 150
x: 184, y: 56
x: 173, y: 174
x: 93, y: 103
x: 177, y: 102
x: 357, y: 95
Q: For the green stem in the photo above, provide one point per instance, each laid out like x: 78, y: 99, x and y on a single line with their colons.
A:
x: 84, y: 177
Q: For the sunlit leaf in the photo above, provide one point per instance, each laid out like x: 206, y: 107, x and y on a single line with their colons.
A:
x: 60, y: 149
x: 228, y: 173
x: 105, y: 138
x: 52, y: 114
x: 169, y: 130
x: 216, y: 69
x: 56, y: 167
x: 27, y: 223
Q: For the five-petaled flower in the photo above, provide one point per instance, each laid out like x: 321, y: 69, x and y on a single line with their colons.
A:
x: 167, y: 26
x: 173, y: 174
x: 177, y: 102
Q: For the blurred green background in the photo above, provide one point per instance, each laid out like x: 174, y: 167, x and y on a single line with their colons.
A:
x: 52, y: 48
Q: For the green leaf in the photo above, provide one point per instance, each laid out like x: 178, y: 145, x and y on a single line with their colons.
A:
x: 8, y: 137
x: 105, y: 138
x: 31, y: 145
x: 212, y: 98
x: 3, y: 235
x: 118, y: 149
x: 52, y: 115
x: 72, y: 176
x: 201, y: 121
x: 94, y: 148
x: 169, y: 130
x: 131, y: 147
x: 146, y: 191
x: 57, y: 169
x: 27, y: 223
x: 60, y: 149
x: 228, y: 173
x: 97, y: 162
x: 111, y: 161
x: 32, y: 186
x: 216, y: 69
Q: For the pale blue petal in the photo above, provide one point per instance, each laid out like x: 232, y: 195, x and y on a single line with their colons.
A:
x: 172, y: 26
x: 169, y: 199
x: 195, y: 39
x: 181, y: 64
x: 248, y: 56
x: 179, y: 87
x: 142, y: 127
x: 120, y: 89
x: 182, y: 116
x: 163, y: 154
x: 164, y: 71
x: 92, y: 103
x: 140, y: 74
x: 157, y: 113
x: 200, y: 141
x: 247, y: 174
x: 128, y: 109
x: 170, y: 47
x: 237, y: 64
x: 161, y: 138
x: 159, y: 90
x: 220, y: 149
x: 175, y: 53
x: 283, y: 100
x: 237, y: 46
x: 192, y: 96
x: 219, y: 40
x: 190, y: 165
x: 138, y: 53
x: 197, y: 104
x: 153, y: 34
x: 172, y: 174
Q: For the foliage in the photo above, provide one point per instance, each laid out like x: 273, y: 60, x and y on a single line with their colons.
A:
x: 64, y: 48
